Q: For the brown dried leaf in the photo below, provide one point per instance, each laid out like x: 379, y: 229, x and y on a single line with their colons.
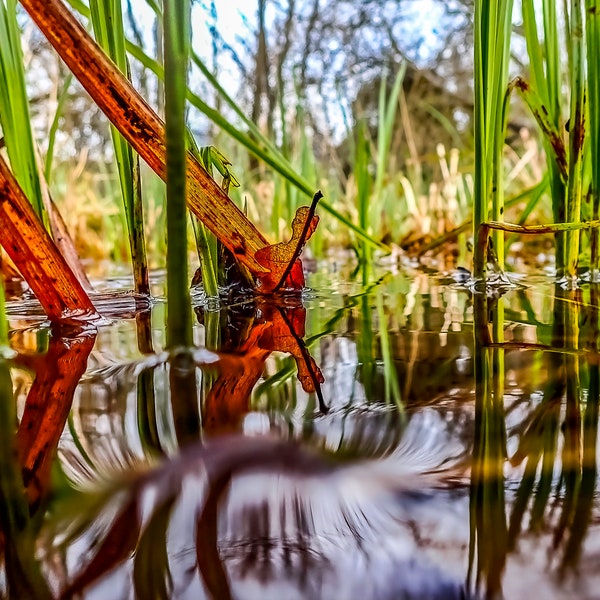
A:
x: 281, y: 260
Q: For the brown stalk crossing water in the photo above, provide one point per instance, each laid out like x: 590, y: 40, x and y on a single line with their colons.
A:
x: 455, y: 456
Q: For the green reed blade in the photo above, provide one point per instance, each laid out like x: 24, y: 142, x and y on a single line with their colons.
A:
x: 544, y: 59
x: 14, y: 108
x: 385, y: 126
x: 207, y: 254
x: 206, y: 243
x: 592, y: 23
x: 492, y: 43
x: 177, y: 32
x: 362, y: 178
x: 387, y: 110
x: 285, y: 151
x: 576, y: 136
x: 534, y: 50
x: 107, y: 21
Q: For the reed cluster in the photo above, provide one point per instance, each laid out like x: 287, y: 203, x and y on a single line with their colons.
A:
x: 562, y: 94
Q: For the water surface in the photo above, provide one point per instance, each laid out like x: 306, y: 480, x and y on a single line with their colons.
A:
x: 449, y: 452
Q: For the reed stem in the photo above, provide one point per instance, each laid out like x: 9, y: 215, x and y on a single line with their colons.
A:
x: 576, y: 137
x: 15, y: 118
x: 176, y: 53
x: 592, y: 22
x: 107, y: 20
x: 492, y: 42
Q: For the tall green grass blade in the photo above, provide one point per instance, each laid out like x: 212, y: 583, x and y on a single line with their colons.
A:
x: 592, y: 22
x: 206, y: 243
x: 544, y: 60
x: 177, y: 32
x: 552, y: 55
x: 285, y: 150
x: 206, y: 246
x: 500, y: 122
x: 363, y: 192
x: 492, y: 43
x: 385, y: 127
x: 534, y: 50
x: 576, y: 137
x: 14, y: 108
x: 555, y: 89
x: 387, y: 108
x: 107, y: 21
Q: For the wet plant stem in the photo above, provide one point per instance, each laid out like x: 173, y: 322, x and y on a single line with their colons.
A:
x: 363, y: 192
x: 32, y: 250
x: 176, y: 52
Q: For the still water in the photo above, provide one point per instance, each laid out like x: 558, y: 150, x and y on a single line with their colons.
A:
x: 404, y: 439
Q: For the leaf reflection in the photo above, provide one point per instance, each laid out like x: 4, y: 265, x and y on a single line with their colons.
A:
x: 24, y: 482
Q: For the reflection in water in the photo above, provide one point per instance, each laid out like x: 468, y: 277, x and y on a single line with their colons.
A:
x: 261, y: 517
x: 450, y: 452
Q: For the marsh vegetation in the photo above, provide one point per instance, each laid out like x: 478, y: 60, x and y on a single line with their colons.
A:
x: 307, y: 312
